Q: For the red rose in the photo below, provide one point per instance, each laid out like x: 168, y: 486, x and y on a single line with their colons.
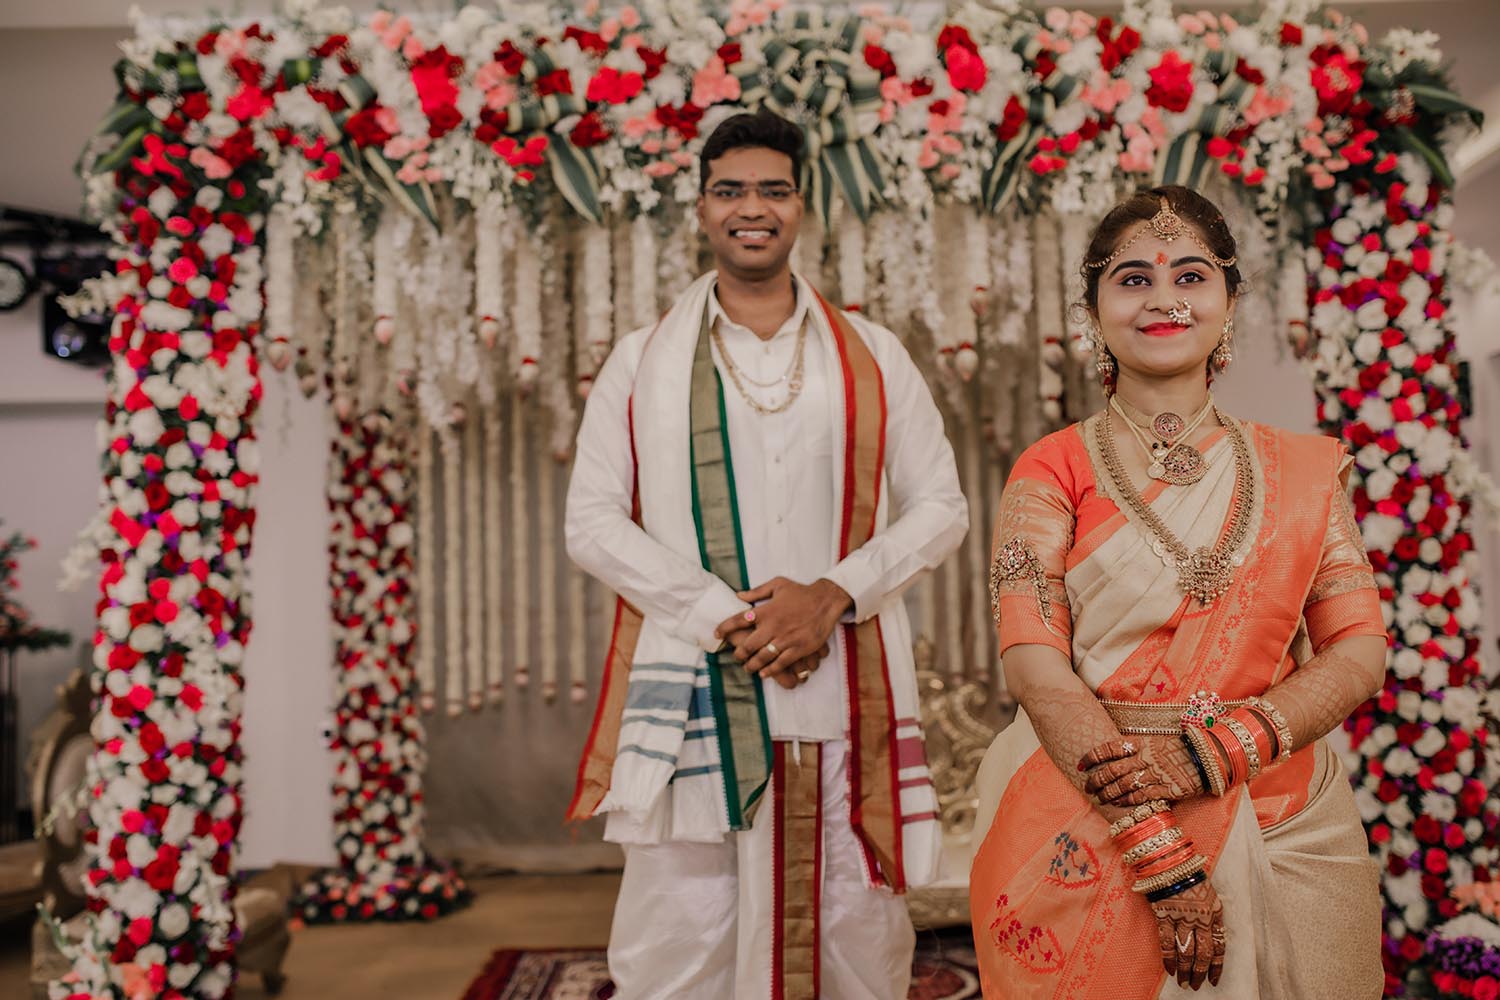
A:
x: 921, y: 87
x: 953, y: 34
x: 880, y: 60
x: 610, y: 86
x: 1171, y: 83
x: 589, y: 41
x: 556, y: 82
x: 331, y: 45
x: 195, y: 105
x: 1291, y: 34
x: 442, y: 120
x: 1249, y: 73
x: 1011, y: 120
x: 966, y: 70
x: 589, y: 131
x: 511, y: 59
x: 729, y: 53
x: 239, y: 148
x: 654, y: 60
x: 1337, y: 81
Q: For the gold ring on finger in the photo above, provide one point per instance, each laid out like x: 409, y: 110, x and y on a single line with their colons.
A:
x: 1140, y: 780
x: 1182, y: 945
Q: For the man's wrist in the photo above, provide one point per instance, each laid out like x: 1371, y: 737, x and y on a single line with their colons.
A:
x: 835, y: 598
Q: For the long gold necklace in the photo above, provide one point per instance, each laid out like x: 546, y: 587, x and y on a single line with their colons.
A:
x: 792, y: 376
x: 1204, y: 573
x: 1172, y: 459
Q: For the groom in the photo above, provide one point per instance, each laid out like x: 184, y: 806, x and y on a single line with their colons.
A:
x: 759, y: 477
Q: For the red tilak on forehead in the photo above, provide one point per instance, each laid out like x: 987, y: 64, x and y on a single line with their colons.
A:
x: 1161, y: 258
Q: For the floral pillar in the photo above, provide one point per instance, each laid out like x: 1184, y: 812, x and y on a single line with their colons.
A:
x: 1389, y: 384
x: 179, y: 463
x: 378, y: 748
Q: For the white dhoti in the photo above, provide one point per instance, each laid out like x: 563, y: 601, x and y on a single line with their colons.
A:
x: 698, y: 921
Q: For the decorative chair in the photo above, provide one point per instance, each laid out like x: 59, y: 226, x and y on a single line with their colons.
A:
x: 960, y: 718
x: 59, y: 759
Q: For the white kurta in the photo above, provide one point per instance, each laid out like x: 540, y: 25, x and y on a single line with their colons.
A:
x: 693, y: 919
x: 782, y: 471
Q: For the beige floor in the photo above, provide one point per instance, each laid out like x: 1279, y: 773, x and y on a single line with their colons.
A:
x: 416, y: 961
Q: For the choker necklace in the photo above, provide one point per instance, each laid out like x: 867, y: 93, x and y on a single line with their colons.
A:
x: 1172, y: 459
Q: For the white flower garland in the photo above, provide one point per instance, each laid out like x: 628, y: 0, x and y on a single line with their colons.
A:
x: 427, y: 559
x: 547, y: 574
x: 494, y: 556
x: 851, y: 262
x: 521, y: 535
x: 975, y: 270
x: 621, y: 280
x: 475, y: 526
x: 596, y: 325
x: 453, y: 579
x: 490, y: 232
x: 578, y: 661
x: 383, y: 284
x: 281, y: 286
x: 526, y: 311
x: 644, y: 264
x: 1049, y: 318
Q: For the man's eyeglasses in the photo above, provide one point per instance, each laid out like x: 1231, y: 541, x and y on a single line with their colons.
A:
x: 729, y: 192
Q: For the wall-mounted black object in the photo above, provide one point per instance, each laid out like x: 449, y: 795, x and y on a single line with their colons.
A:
x: 63, y: 254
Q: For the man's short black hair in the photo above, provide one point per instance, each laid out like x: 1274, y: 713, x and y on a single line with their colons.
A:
x: 760, y: 129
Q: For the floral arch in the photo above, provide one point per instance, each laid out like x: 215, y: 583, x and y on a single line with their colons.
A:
x: 298, y: 191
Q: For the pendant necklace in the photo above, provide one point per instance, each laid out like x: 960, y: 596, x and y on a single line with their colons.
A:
x: 1172, y: 460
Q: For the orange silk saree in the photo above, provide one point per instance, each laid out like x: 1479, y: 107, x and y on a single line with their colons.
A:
x: 1053, y: 913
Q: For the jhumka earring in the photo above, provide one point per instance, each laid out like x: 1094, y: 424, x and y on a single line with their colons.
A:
x: 1104, y: 365
x: 1223, y: 354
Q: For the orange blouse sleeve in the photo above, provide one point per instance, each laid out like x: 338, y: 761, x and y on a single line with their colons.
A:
x: 1343, y: 600
x: 1033, y: 535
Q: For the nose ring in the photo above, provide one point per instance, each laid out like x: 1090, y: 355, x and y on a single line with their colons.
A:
x: 1181, y: 313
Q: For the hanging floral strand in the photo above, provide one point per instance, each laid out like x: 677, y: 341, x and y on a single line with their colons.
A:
x: 475, y: 528
x: 494, y: 567
x: 427, y: 560
x: 521, y: 538
x: 453, y: 580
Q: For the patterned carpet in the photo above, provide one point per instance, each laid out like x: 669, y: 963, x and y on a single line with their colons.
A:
x: 943, y: 970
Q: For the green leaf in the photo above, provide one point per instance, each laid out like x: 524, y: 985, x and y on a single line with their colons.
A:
x: 1434, y: 158
x: 575, y: 175
x: 1440, y: 101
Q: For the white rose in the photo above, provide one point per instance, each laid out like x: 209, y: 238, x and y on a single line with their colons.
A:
x: 1346, y: 231
x: 1371, y: 315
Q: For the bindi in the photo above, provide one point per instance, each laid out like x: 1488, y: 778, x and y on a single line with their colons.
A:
x: 1161, y: 258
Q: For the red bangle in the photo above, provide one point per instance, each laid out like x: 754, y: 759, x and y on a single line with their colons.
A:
x: 1144, y: 830
x: 1236, y: 764
x: 1170, y: 858
x: 1261, y: 729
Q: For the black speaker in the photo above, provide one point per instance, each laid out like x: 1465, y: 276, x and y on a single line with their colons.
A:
x: 80, y: 339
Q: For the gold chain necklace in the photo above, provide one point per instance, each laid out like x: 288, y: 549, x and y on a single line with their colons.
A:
x: 793, y: 375
x: 1172, y: 459
x: 1204, y: 573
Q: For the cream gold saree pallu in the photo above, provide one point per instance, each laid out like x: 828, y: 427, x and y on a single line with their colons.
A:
x: 1054, y: 916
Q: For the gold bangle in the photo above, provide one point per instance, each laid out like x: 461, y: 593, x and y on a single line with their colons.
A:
x: 1151, y: 845
x: 1247, y: 740
x: 1191, y: 866
x: 1278, y: 722
x: 1136, y: 815
x: 1208, y: 756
